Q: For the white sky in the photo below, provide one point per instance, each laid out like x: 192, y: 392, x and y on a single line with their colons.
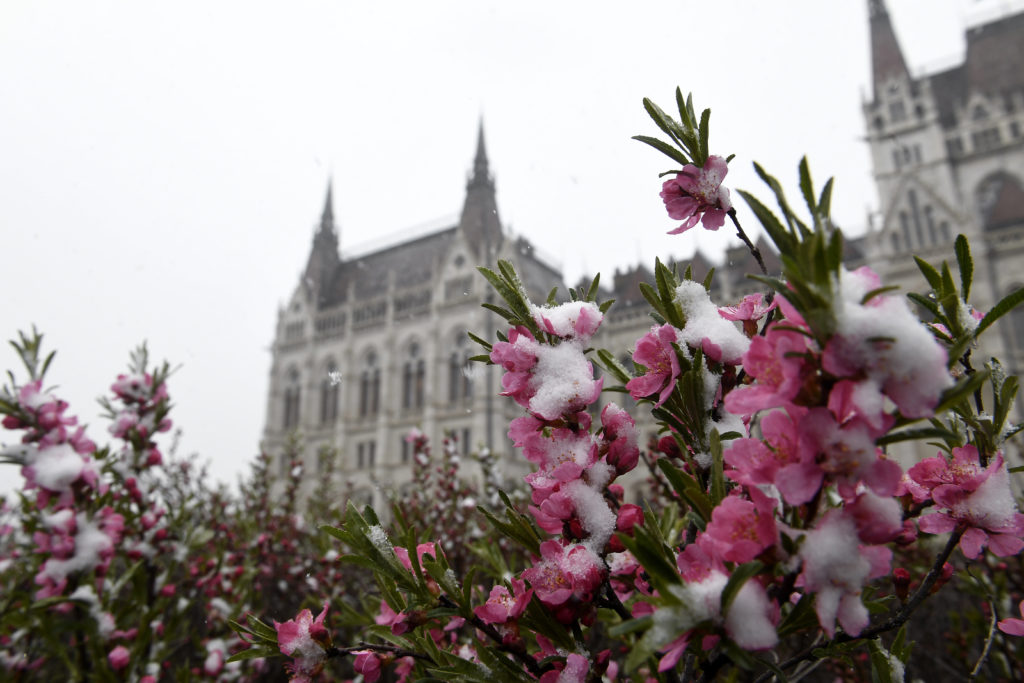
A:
x: 162, y: 165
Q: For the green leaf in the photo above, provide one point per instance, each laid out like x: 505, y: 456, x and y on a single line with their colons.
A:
x: 594, y: 288
x: 784, y: 241
x: 705, y: 118
x: 927, y: 304
x: 915, y: 435
x: 687, y: 488
x: 663, y: 120
x: 252, y: 653
x: 739, y: 576
x: 930, y: 274
x: 825, y: 201
x: 807, y: 186
x: 631, y: 626
x: 665, y: 148
x: 877, y: 292
x: 961, y: 390
x: 609, y: 363
x: 1005, y: 305
x: 965, y: 264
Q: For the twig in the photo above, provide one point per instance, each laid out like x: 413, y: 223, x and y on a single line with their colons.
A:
x: 988, y: 641
x: 896, y: 621
x: 746, y: 240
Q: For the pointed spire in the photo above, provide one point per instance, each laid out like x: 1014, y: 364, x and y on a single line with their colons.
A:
x: 327, y: 218
x: 323, y: 259
x: 886, y: 57
x: 481, y: 176
x: 479, y: 222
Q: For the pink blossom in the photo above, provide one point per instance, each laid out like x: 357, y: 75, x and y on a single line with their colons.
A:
x: 777, y: 361
x: 368, y: 664
x: 697, y: 191
x: 621, y: 438
x: 740, y: 530
x: 846, y: 455
x: 575, y: 671
x: 977, y: 499
x: 398, y: 621
x: 751, y: 308
x: 1012, y: 626
x: 757, y: 461
x: 502, y: 606
x: 655, y: 352
x: 119, y: 657
x: 518, y: 356
x: 564, y: 573
x: 304, y: 639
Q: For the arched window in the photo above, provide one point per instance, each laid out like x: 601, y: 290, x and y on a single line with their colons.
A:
x: 292, y: 392
x: 460, y: 376
x: 1000, y: 200
x: 329, y: 390
x: 369, y: 386
x: 414, y: 373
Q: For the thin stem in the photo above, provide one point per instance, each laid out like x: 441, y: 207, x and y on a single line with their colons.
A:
x: 988, y: 641
x: 377, y: 647
x: 746, y: 240
x: 611, y: 600
x: 896, y: 621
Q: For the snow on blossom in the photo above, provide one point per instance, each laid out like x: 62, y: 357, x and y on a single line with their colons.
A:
x: 706, y: 328
x: 620, y: 434
x: 91, y: 548
x: 572, y: 320
x: 835, y: 569
x: 696, y: 194
x: 886, y: 341
x: 304, y: 639
x: 655, y: 352
x: 979, y: 499
x: 563, y: 381
x: 56, y: 468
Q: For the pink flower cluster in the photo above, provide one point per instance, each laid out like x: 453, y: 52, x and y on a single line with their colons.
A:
x: 142, y: 414
x: 56, y: 460
x: 576, y: 468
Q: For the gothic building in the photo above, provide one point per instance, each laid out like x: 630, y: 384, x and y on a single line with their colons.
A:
x: 368, y: 348
x: 948, y: 155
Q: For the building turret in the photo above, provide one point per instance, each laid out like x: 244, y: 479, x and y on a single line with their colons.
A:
x: 887, y: 60
x: 323, y: 260
x: 479, y: 222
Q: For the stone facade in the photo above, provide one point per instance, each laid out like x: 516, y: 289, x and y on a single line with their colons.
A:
x: 392, y: 324
x: 948, y: 155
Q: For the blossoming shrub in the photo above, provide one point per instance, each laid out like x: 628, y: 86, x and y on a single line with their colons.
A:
x: 119, y: 563
x: 790, y: 536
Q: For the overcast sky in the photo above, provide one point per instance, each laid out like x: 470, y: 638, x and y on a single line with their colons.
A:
x: 163, y: 165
